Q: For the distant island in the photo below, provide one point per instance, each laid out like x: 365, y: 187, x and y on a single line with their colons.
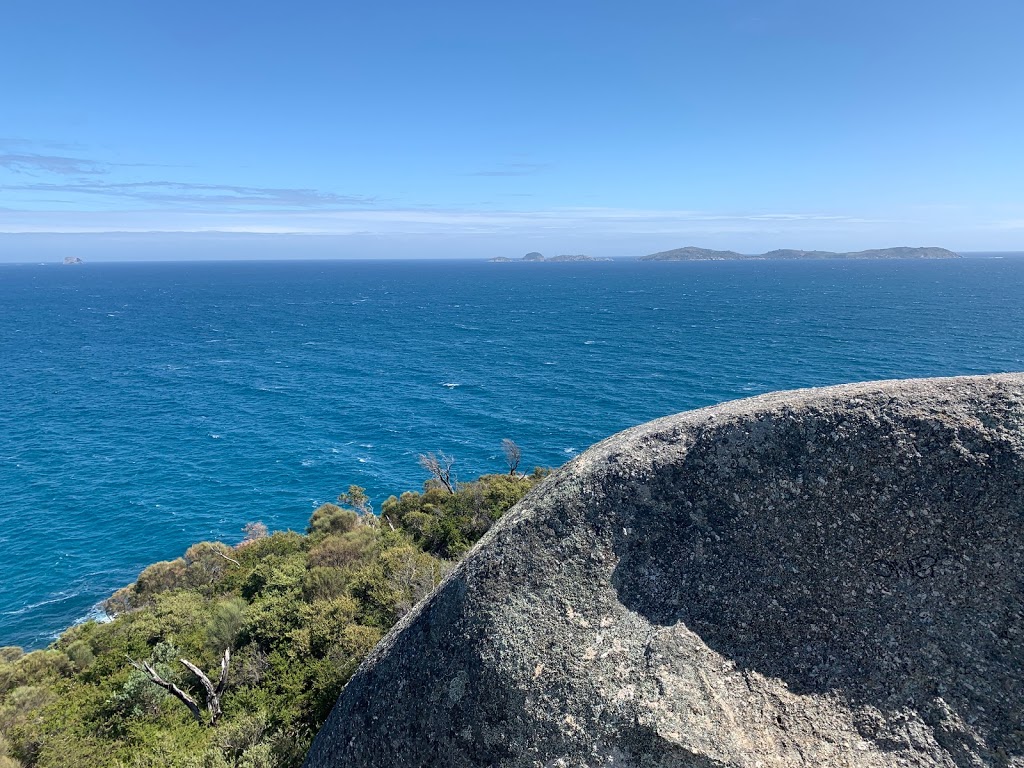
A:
x: 692, y: 253
x: 72, y: 260
x: 534, y: 256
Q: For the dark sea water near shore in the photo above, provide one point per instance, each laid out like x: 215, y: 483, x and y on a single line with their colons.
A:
x: 144, y: 407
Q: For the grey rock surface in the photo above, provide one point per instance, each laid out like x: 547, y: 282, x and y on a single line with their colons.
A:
x: 825, y: 577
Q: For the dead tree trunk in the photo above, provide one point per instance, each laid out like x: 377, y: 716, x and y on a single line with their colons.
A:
x: 213, y: 693
x: 171, y: 688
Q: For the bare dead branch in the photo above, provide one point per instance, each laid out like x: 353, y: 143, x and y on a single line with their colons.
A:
x: 213, y: 694
x: 171, y: 688
x: 440, y: 466
x: 224, y: 662
x: 229, y: 559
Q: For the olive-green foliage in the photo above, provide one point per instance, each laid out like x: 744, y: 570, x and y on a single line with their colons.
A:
x: 447, y: 524
x: 299, y: 613
x: 225, y: 625
x: 6, y: 761
x: 330, y: 518
x: 350, y: 549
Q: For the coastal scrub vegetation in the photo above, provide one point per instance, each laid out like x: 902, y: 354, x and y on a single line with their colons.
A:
x: 294, y: 614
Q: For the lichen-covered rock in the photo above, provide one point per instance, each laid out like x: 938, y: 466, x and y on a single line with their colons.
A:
x: 830, y: 577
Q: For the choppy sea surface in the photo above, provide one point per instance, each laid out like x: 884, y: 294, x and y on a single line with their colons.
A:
x: 144, y: 407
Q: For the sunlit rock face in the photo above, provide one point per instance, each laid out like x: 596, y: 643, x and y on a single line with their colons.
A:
x: 823, y: 577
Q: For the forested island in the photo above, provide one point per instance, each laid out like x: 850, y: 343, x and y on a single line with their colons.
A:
x: 693, y: 253
x: 232, y: 656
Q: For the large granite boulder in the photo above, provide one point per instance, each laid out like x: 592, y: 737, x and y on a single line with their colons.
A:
x: 824, y: 577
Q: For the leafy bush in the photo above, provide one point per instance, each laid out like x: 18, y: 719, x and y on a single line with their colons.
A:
x: 330, y: 518
x: 225, y: 625
x: 350, y: 549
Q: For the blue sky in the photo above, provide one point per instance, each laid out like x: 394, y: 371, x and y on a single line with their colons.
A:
x: 402, y: 129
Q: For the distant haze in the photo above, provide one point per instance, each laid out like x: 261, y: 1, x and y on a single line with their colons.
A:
x: 186, y: 246
x: 197, y: 130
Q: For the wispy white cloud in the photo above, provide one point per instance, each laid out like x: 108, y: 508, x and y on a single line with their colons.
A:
x: 31, y: 163
x: 72, y: 181
x: 182, y: 193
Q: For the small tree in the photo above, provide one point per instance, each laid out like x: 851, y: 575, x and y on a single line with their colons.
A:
x: 512, y: 455
x: 357, y: 500
x: 440, y: 466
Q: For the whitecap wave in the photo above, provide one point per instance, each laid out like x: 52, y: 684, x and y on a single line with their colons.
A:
x: 32, y: 606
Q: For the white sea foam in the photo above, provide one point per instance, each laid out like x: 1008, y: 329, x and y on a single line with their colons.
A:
x: 97, y: 614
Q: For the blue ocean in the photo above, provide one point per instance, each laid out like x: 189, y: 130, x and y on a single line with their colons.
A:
x: 147, y: 406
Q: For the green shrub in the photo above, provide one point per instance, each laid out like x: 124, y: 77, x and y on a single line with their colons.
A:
x: 350, y: 549
x: 206, y: 562
x: 270, y: 621
x: 325, y: 622
x: 161, y: 577
x: 80, y: 654
x: 237, y: 737
x: 280, y: 543
x: 38, y: 666
x: 275, y: 575
x: 330, y: 518
x: 321, y: 583
x: 225, y: 625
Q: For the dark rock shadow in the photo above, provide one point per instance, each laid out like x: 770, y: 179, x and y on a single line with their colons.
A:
x: 881, y: 561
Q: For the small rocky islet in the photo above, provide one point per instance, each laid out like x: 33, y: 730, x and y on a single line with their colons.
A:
x: 534, y: 257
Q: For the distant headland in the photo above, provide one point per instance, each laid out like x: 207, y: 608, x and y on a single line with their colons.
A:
x: 72, y: 260
x: 692, y: 253
x: 533, y: 256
